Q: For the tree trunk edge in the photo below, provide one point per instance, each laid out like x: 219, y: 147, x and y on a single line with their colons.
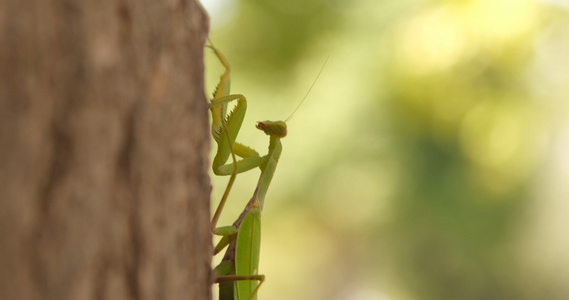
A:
x: 104, y: 145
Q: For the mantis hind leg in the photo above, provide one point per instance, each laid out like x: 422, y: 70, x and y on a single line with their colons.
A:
x: 228, y: 292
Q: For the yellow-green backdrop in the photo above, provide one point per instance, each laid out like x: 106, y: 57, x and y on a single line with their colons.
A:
x: 431, y: 159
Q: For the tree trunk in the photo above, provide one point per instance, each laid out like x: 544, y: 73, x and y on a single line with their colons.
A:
x: 104, y: 191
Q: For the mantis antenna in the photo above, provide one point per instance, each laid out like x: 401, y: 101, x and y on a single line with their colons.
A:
x: 306, y: 95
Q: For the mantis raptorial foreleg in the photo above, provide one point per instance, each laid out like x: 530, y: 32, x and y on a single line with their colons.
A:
x: 224, y: 130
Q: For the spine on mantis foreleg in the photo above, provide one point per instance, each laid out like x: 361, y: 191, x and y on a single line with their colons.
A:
x: 229, y: 124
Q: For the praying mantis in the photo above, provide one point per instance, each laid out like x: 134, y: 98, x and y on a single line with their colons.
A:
x: 237, y: 274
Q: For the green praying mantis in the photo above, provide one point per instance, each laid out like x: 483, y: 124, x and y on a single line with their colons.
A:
x: 237, y: 274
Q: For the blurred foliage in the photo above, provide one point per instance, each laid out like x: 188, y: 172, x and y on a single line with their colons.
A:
x: 415, y: 170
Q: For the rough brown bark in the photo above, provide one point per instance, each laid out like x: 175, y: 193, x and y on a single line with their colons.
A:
x: 104, y: 192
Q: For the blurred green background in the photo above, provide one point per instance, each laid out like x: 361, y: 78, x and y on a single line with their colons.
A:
x: 431, y: 159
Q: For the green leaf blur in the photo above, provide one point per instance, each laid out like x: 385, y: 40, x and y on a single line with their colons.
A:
x: 428, y: 162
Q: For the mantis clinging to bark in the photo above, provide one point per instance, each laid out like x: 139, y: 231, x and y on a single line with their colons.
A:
x: 237, y: 274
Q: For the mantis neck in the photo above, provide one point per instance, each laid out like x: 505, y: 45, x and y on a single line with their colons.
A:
x: 268, y: 169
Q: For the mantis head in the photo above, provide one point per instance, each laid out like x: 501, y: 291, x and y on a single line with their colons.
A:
x: 273, y: 128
